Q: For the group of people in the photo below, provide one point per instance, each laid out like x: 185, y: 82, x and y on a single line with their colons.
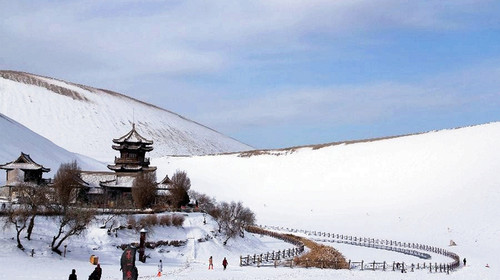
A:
x: 95, y: 275
x: 211, y: 263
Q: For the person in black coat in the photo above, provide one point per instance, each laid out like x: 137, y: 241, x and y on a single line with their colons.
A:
x: 72, y: 276
x: 96, y: 274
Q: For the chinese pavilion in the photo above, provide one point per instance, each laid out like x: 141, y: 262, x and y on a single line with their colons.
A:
x: 132, y: 162
x: 133, y: 148
x: 23, y: 170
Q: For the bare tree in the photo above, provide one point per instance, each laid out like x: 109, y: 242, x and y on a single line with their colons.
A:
x: 34, y: 200
x: 72, y: 221
x: 232, y: 219
x: 180, y: 187
x: 205, y: 202
x: 67, y: 183
x: 18, y: 217
x: 144, y: 189
x: 31, y: 199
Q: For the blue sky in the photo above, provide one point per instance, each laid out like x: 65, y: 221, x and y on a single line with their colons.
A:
x: 274, y: 73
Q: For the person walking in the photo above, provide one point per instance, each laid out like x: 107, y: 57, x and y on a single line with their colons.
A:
x: 96, y: 274
x: 72, y: 276
x: 160, y: 268
x: 224, y: 263
x: 465, y: 261
x: 210, y: 263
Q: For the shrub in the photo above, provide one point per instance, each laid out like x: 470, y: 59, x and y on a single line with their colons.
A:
x: 151, y: 220
x: 166, y: 220
x: 131, y: 222
x: 177, y: 220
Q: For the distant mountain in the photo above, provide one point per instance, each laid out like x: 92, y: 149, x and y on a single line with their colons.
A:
x: 84, y: 120
x: 16, y: 138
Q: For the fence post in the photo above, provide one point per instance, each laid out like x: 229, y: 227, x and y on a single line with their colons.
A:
x: 349, y: 264
x: 362, y: 265
x: 373, y: 265
x: 383, y: 266
x: 241, y: 261
x: 393, y: 265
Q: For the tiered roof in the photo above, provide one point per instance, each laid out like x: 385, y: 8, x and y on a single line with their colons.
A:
x: 133, y: 141
x: 24, y: 162
x: 132, y: 147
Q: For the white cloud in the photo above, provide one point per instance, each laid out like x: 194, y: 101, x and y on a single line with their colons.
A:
x: 207, y: 36
x: 357, y: 104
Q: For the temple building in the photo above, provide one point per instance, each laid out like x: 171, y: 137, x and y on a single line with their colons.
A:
x: 132, y: 147
x: 23, y: 170
x: 106, y: 188
x: 115, y: 187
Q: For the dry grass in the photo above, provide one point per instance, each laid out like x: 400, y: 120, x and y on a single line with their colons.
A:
x: 320, y: 256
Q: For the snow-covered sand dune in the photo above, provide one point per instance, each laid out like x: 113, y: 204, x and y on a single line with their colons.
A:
x: 84, y: 120
x: 429, y: 188
x: 16, y: 138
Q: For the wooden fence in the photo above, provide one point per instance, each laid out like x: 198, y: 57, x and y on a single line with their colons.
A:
x: 274, y: 258
x: 409, y: 248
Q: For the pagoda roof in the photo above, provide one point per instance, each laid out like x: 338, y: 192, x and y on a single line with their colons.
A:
x: 165, y: 181
x: 131, y: 167
x: 24, y: 162
x: 133, y: 137
x: 132, y: 147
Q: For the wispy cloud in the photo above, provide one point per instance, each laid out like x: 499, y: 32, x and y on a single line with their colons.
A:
x: 190, y: 37
x: 232, y: 64
x: 367, y: 103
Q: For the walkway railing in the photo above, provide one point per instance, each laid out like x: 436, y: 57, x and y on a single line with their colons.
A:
x: 409, y: 248
x: 273, y: 258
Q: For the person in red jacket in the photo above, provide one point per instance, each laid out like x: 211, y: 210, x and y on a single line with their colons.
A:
x: 224, y: 263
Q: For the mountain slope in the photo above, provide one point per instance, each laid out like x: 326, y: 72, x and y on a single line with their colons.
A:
x: 17, y: 138
x: 84, y: 120
x: 429, y: 188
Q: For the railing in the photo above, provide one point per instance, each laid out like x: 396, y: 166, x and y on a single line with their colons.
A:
x: 275, y: 258
x: 414, y: 249
x: 120, y: 160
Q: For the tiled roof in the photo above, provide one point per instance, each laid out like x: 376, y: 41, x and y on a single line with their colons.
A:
x: 133, y: 137
x: 24, y: 162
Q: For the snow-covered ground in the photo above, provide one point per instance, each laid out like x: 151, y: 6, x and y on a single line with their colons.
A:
x: 186, y: 262
x: 429, y: 188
